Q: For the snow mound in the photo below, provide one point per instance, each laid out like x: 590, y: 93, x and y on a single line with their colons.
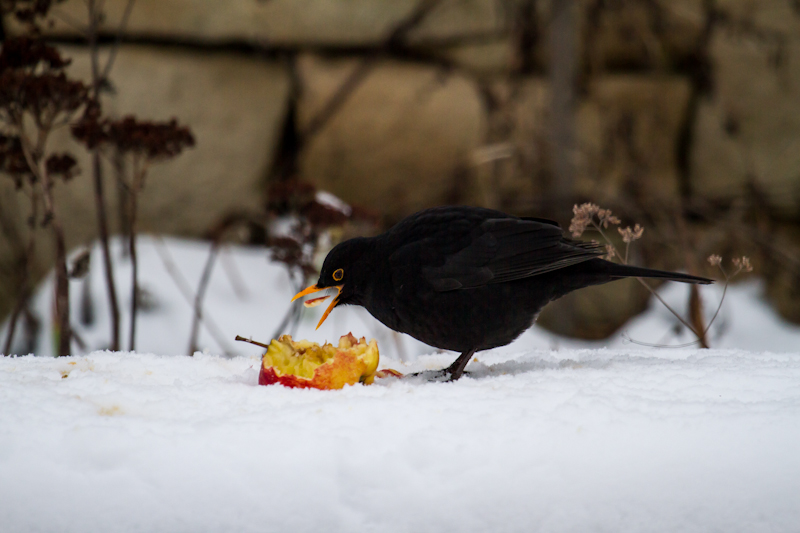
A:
x: 570, y: 440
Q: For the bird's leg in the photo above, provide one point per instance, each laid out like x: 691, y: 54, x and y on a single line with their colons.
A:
x: 457, y: 368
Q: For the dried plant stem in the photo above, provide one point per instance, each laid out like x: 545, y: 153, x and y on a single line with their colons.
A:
x: 24, y: 283
x: 137, y: 182
x: 34, y: 156
x: 234, y: 276
x: 102, y: 225
x: 201, y: 292
x: 290, y: 319
x: 64, y: 329
x: 643, y: 282
x: 695, y: 302
x: 97, y: 171
x: 186, y: 292
x: 115, y: 49
x: 722, y: 299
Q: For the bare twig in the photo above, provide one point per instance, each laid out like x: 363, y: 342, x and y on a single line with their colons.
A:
x: 137, y: 182
x: 655, y: 345
x: 234, y: 276
x: 118, y: 41
x: 585, y: 216
x: 97, y: 171
x: 251, y: 341
x: 188, y: 295
x: 290, y: 319
x: 33, y: 155
x: 24, y: 283
x: 201, y: 292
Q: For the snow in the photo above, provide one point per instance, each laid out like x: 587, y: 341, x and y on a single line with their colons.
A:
x: 579, y: 438
x: 573, y: 440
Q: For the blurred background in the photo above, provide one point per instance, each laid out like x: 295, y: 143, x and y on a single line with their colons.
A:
x: 680, y: 115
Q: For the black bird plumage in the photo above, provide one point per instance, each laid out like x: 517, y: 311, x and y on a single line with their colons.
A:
x: 467, y: 278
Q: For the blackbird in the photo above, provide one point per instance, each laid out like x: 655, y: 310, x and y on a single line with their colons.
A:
x: 466, y: 278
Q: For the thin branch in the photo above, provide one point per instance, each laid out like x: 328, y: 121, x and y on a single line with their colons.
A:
x: 232, y: 271
x: 120, y: 30
x: 251, y: 341
x: 665, y: 304
x: 651, y: 345
x: 24, y: 283
x: 69, y: 21
x: 34, y: 159
x: 137, y: 181
x: 644, y: 284
x: 200, y: 294
x: 188, y: 295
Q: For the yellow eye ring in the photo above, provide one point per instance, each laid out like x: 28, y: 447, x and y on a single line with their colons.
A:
x: 338, y: 274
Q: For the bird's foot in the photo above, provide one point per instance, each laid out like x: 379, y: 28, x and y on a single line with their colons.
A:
x: 436, y: 376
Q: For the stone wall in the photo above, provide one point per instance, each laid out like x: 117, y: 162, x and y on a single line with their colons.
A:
x: 449, y: 101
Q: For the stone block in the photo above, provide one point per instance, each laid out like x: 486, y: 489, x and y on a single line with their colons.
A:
x: 627, y: 131
x: 399, y: 141
x: 747, y: 132
x: 284, y: 22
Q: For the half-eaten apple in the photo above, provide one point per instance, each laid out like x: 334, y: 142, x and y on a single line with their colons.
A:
x: 306, y: 364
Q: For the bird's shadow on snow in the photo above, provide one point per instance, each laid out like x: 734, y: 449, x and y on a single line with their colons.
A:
x: 481, y: 370
x: 478, y: 370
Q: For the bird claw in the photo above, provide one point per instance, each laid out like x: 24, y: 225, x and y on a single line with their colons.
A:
x: 435, y: 376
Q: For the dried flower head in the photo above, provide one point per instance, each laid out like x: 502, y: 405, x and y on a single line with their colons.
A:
x: 714, y: 260
x: 44, y: 96
x: 611, y: 252
x: 62, y: 165
x: 154, y: 140
x: 607, y: 218
x: 24, y: 53
x: 12, y: 160
x: 629, y: 235
x: 583, y: 215
x: 743, y: 263
x: 27, y: 11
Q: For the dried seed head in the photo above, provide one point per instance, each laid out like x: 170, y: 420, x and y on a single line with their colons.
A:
x: 12, y: 160
x: 154, y: 140
x: 24, y: 53
x: 607, y: 218
x: 714, y: 260
x: 583, y: 217
x: 743, y: 263
x: 62, y: 165
x: 27, y: 11
x: 611, y: 252
x: 631, y: 234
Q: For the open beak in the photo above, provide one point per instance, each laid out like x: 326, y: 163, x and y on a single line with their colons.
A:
x: 316, y: 301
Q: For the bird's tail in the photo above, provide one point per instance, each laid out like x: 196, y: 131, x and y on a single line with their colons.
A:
x: 618, y: 271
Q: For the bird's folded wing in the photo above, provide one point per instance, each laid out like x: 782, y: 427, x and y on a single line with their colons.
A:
x: 507, y: 249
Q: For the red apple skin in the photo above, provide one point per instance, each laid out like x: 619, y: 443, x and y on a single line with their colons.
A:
x: 344, y: 369
x: 268, y: 376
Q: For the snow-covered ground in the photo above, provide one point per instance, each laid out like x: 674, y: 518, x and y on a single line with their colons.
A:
x: 579, y: 438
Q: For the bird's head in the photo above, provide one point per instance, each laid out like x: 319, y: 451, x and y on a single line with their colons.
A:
x: 344, y: 270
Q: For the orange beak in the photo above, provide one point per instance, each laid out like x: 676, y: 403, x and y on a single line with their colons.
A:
x: 311, y: 290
